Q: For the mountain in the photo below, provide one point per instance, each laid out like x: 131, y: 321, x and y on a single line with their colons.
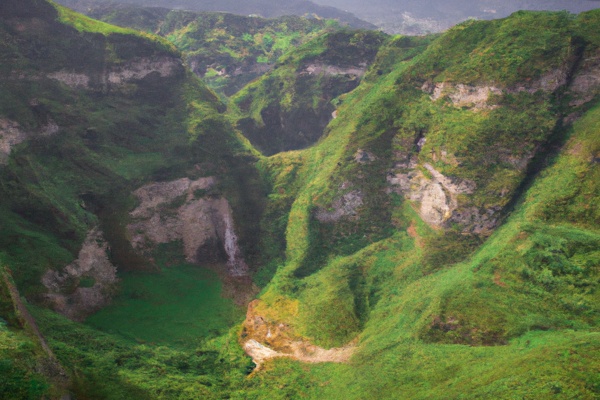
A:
x: 226, y: 50
x: 435, y: 237
x: 419, y: 17
x: 89, y: 114
x: 289, y: 107
x: 264, y: 8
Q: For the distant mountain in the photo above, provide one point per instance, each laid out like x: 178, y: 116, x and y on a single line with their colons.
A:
x: 226, y: 50
x: 264, y: 8
x: 417, y: 17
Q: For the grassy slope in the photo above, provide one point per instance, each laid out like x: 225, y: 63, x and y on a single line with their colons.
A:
x: 227, y: 50
x: 111, y: 141
x: 21, y: 355
x: 536, y: 278
x: 531, y: 288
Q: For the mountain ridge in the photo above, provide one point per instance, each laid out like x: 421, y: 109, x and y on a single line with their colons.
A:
x: 442, y: 229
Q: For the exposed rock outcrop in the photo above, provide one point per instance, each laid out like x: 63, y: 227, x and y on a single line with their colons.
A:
x: 12, y: 134
x: 585, y: 84
x: 178, y: 210
x: 476, y: 97
x: 364, y: 157
x: 142, y: 67
x: 71, y: 79
x: 548, y: 82
x: 344, y: 206
x: 118, y: 75
x: 437, y: 196
x: 87, y: 284
x: 325, y: 69
x: 263, y: 340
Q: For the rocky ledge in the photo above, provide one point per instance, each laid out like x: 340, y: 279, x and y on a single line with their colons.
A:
x: 182, y: 210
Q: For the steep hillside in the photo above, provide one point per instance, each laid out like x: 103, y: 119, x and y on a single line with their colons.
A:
x: 389, y: 218
x: 290, y: 107
x: 264, y: 8
x: 95, y: 121
x: 434, y: 235
x: 226, y: 50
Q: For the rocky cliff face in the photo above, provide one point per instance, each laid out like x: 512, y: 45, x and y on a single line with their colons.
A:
x: 585, y: 84
x: 12, y: 134
x: 290, y: 107
x: 437, y: 196
x: 335, y: 70
x: 117, y: 76
x: 346, y: 205
x: 180, y: 210
x: 477, y: 97
x: 444, y: 201
x: 87, y: 284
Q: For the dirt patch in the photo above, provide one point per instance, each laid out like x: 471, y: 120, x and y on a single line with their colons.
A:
x: 263, y: 340
x: 412, y: 232
x: 498, y: 279
x: 301, y: 351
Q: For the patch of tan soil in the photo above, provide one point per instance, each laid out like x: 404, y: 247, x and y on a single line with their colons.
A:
x: 412, y: 232
x: 263, y: 340
x: 498, y: 279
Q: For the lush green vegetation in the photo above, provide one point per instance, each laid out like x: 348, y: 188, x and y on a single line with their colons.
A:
x: 84, y: 24
x: 180, y: 305
x: 290, y: 107
x: 21, y: 357
x: 227, y: 50
x: 111, y: 139
x: 435, y: 312
x: 402, y: 296
x: 534, y: 280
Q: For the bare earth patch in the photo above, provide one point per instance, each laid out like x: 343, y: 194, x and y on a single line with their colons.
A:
x: 263, y: 340
x: 301, y: 351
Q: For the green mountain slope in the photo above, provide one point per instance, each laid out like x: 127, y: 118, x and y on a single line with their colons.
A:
x: 533, y: 280
x: 90, y: 112
x: 438, y: 239
x: 290, y: 107
x: 424, y: 161
x: 226, y: 50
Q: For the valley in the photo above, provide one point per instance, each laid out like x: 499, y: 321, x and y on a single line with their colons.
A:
x: 202, y: 205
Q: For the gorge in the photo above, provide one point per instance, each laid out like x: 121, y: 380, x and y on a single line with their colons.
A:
x: 201, y: 205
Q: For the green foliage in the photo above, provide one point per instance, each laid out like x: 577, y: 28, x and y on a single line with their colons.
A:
x: 88, y: 25
x: 447, y: 248
x: 219, y: 46
x: 179, y: 306
x: 435, y: 314
x: 289, y: 107
x: 505, y: 52
x: 414, y: 300
x: 110, y: 367
x: 17, y: 365
x: 20, y: 355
